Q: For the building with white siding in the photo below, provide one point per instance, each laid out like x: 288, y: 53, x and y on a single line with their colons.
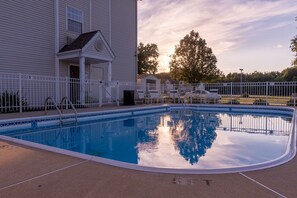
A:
x: 87, y: 40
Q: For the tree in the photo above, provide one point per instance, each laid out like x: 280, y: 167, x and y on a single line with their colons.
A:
x: 253, y: 77
x: 294, y: 48
x: 163, y: 76
x: 290, y: 74
x: 193, y: 61
x: 147, y: 58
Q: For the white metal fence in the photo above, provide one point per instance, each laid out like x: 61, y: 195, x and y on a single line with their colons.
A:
x: 23, y: 92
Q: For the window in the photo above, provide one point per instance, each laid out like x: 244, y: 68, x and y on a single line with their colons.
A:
x: 74, y: 20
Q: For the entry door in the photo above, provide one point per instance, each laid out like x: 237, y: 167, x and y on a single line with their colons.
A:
x: 74, y: 84
x: 96, y: 76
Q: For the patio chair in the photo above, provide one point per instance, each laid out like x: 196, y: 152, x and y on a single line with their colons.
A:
x: 140, y: 96
x: 174, y: 95
x: 154, y: 95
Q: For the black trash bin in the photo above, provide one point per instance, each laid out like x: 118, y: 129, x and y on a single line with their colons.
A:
x: 129, y: 97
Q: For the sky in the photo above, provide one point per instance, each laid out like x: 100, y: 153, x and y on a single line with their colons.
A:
x: 250, y: 34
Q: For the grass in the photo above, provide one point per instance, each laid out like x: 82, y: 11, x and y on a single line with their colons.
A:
x: 272, y: 100
x: 276, y: 100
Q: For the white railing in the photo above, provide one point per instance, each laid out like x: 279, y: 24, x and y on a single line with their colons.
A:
x: 23, y: 92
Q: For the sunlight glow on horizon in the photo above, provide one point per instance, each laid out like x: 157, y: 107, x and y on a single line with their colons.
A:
x: 254, y: 35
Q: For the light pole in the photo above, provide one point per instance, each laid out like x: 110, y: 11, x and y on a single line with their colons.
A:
x: 241, y: 81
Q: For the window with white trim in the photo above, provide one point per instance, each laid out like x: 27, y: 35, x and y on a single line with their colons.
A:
x: 74, y: 20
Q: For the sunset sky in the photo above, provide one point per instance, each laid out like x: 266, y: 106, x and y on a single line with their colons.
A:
x: 249, y: 34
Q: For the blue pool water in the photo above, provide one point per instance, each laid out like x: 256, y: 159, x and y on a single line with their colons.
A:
x: 182, y: 139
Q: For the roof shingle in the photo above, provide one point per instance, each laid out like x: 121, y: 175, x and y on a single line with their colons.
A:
x: 79, y: 42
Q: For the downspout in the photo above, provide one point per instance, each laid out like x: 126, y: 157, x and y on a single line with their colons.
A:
x: 136, y: 35
x: 90, y: 15
x: 57, y: 31
x: 57, y: 62
x: 109, y: 12
x: 109, y: 67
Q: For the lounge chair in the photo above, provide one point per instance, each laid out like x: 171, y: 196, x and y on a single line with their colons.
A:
x: 154, y: 95
x: 140, y: 96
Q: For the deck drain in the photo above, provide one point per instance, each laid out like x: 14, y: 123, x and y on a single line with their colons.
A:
x: 183, y: 181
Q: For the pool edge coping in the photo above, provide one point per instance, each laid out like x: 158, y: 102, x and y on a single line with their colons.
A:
x: 286, y: 157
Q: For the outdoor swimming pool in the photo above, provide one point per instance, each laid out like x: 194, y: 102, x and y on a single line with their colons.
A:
x: 173, y: 138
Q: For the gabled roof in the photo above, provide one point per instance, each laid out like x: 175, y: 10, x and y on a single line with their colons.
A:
x: 79, y: 42
x: 83, y: 41
x: 141, y: 76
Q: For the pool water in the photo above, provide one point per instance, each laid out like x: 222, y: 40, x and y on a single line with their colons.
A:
x: 182, y: 139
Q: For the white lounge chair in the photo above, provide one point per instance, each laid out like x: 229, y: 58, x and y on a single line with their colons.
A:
x: 154, y: 95
x: 140, y: 96
x: 174, y: 95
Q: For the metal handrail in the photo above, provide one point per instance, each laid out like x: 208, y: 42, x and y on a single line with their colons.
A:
x: 71, y: 104
x: 106, y: 91
x: 181, y: 101
x: 46, y: 103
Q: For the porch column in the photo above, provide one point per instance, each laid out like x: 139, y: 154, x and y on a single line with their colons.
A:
x: 82, y: 72
x: 109, y: 71
x: 109, y: 75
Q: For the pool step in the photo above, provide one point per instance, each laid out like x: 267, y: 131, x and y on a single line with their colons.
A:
x: 68, y: 121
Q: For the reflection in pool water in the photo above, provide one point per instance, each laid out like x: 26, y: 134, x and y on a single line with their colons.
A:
x: 176, y: 139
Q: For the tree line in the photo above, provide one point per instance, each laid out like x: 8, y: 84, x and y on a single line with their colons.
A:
x: 193, y: 62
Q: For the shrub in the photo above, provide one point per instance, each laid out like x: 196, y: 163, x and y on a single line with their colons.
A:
x: 260, y: 102
x: 10, y: 101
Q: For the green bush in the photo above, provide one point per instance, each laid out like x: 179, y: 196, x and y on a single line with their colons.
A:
x: 260, y: 102
x: 10, y: 101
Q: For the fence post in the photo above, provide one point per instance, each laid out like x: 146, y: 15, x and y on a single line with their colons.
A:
x: 267, y: 87
x: 117, y: 93
x: 67, y: 84
x: 231, y: 94
x: 57, y: 89
x: 20, y: 92
x: 100, y: 93
x: 294, y: 94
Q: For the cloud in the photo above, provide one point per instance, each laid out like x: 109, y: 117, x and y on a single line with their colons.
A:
x: 225, y: 24
x: 278, y: 46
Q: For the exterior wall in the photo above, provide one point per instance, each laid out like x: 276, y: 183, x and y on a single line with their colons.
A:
x: 84, y: 6
x: 100, y: 15
x: 124, y: 40
x: 27, y: 37
x: 145, y: 86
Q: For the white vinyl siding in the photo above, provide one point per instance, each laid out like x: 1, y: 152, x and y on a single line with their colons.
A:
x: 100, y: 17
x: 124, y: 40
x: 27, y: 39
x: 27, y: 42
x: 83, y: 6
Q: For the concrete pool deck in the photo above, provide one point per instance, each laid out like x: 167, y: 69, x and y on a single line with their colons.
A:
x: 30, y: 172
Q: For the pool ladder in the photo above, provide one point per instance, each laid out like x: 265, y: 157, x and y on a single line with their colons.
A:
x: 182, y: 101
x: 65, y: 99
x: 60, y: 111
